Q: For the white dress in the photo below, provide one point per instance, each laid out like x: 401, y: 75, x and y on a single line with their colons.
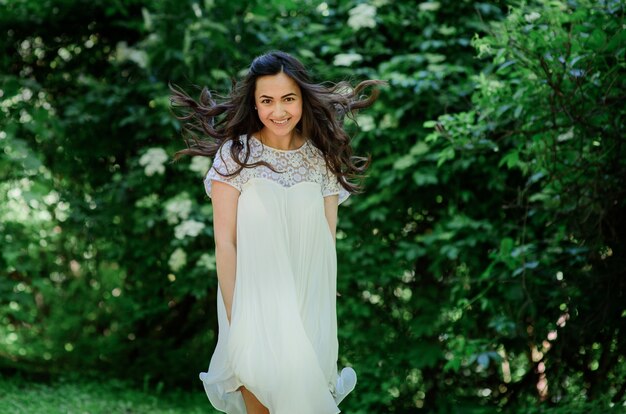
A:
x: 282, y: 340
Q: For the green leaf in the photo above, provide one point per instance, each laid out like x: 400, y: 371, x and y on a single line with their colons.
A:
x: 446, y: 154
x: 421, y: 179
x: 511, y: 160
x: 597, y: 39
x: 618, y: 40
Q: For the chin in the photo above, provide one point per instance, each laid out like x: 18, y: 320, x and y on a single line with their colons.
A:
x: 281, y: 130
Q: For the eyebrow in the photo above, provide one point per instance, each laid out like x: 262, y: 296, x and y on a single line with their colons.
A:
x: 284, y: 96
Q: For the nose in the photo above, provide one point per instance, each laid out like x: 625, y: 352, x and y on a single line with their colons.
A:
x: 279, y: 110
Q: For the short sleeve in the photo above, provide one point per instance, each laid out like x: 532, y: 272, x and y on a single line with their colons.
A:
x: 223, y: 163
x: 331, y: 186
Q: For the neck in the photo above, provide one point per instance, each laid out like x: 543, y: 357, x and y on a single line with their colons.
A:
x: 286, y: 142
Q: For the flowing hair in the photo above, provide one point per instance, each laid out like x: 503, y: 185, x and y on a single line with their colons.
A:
x: 323, y: 111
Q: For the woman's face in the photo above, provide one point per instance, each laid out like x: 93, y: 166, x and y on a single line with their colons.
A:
x: 279, y: 103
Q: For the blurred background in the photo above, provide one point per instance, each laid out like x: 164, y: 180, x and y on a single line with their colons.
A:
x: 481, y: 271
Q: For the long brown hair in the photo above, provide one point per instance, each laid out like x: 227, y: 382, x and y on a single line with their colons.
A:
x: 323, y: 111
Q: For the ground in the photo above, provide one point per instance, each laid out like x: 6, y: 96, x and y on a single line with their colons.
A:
x: 76, y: 395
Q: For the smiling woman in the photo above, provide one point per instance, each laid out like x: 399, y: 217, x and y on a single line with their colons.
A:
x: 241, y: 115
x: 280, y: 169
x: 279, y: 113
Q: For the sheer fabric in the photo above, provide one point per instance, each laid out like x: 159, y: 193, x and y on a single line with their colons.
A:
x: 282, y: 340
x: 294, y: 166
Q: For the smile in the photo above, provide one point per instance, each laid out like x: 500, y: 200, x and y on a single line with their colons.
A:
x: 283, y: 122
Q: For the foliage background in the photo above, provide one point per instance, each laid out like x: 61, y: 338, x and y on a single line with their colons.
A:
x: 481, y: 271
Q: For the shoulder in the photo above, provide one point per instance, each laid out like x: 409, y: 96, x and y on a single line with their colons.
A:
x: 226, y: 145
x: 318, y: 159
x: 224, y: 154
x: 314, y: 153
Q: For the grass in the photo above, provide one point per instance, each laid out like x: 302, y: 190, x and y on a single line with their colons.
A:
x: 76, y: 395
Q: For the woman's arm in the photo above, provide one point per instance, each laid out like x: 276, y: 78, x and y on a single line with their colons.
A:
x: 331, y: 204
x: 225, y: 198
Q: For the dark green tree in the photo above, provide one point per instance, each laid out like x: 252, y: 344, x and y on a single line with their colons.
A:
x: 484, y: 260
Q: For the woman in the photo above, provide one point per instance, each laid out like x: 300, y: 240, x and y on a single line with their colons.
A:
x: 281, y: 167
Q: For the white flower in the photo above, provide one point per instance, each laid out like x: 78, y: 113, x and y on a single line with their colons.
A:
x: 429, y: 6
x: 200, y: 164
x: 123, y: 52
x: 566, y: 136
x: 531, y: 17
x: 362, y: 16
x: 207, y: 260
x: 178, y: 208
x: 347, y: 59
x: 366, y: 122
x: 51, y: 198
x: 153, y: 160
x: 148, y: 201
x: 189, y: 228
x: 177, y: 260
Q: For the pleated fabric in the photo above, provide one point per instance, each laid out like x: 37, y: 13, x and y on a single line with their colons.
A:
x: 282, y: 341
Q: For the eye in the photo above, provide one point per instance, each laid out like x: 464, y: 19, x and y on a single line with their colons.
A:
x: 265, y: 101
x: 290, y: 99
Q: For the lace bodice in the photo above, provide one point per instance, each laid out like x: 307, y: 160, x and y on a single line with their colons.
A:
x: 294, y: 166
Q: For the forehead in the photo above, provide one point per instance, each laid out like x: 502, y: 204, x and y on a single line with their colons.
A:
x: 276, y: 85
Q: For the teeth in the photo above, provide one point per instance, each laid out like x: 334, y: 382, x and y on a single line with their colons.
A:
x: 280, y: 122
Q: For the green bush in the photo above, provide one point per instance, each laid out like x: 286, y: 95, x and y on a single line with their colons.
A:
x: 485, y: 256
x: 545, y: 279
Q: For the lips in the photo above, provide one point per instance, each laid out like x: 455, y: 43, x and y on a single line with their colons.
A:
x: 281, y: 123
